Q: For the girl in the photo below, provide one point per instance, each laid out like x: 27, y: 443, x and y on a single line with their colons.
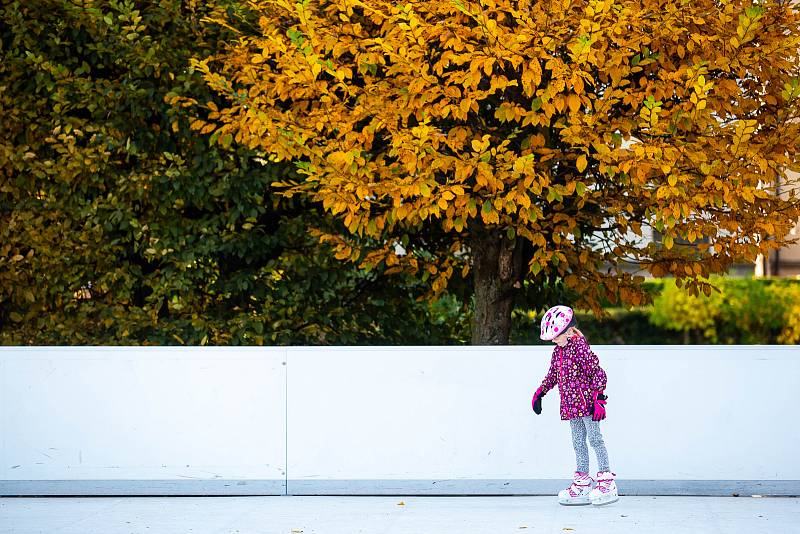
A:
x: 581, y: 382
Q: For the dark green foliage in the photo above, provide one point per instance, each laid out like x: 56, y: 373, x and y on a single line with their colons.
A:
x: 119, y: 224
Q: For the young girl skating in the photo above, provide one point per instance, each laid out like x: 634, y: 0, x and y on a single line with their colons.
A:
x: 581, y: 381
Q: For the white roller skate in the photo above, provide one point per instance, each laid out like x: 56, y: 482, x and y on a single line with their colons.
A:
x: 578, y: 492
x: 606, y: 490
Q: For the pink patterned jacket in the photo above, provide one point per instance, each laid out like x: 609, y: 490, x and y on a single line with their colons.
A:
x: 577, y: 371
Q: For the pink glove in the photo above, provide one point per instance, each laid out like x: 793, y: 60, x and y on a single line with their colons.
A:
x: 598, y: 406
x: 536, y: 401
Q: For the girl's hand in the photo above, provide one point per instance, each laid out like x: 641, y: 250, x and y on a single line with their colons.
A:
x: 599, y: 406
x: 536, y: 401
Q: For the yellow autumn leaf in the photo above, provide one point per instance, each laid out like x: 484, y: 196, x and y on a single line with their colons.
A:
x: 581, y: 163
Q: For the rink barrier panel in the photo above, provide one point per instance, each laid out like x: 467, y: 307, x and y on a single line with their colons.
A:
x: 683, y: 420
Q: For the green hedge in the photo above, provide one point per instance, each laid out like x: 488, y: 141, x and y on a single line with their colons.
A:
x: 742, y: 311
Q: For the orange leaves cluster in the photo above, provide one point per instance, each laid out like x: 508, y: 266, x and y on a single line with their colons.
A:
x: 581, y: 126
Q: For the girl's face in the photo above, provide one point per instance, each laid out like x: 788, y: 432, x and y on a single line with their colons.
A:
x: 561, y: 339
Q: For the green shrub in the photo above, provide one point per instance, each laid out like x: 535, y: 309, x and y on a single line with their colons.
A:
x: 751, y: 311
x: 787, y: 293
x: 694, y: 317
x: 790, y: 335
x: 743, y: 311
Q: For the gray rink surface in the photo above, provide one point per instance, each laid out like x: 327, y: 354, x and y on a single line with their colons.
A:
x: 386, y: 515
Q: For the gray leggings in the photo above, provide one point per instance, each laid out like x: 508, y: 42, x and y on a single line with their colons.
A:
x: 581, y: 426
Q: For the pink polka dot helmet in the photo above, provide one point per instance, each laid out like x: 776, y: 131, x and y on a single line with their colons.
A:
x: 555, y: 321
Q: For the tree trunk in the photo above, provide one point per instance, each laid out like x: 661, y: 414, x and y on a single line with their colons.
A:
x: 497, y: 272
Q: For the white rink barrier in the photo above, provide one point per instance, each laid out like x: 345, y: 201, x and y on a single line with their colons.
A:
x: 682, y: 420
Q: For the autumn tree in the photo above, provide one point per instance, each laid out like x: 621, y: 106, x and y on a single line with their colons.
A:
x: 544, y: 140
